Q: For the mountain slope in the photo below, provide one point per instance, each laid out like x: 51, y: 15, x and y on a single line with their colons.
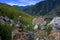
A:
x: 13, y: 13
x: 54, y: 12
x: 43, y: 7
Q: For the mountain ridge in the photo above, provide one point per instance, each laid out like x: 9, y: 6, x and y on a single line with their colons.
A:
x: 42, y: 8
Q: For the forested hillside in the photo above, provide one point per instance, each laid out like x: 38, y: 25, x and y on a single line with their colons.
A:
x: 42, y: 8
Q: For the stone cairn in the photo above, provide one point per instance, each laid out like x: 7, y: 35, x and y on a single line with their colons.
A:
x: 20, y: 34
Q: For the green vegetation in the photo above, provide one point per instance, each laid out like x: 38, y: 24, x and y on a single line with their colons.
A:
x: 30, y: 28
x: 5, y: 31
x: 48, y: 29
x: 12, y: 13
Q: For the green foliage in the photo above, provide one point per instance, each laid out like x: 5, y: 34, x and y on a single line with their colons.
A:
x: 5, y: 32
x: 13, y: 13
x: 48, y: 29
x: 48, y: 20
x: 29, y: 27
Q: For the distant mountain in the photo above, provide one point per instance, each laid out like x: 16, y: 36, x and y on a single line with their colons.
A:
x: 43, y: 7
x: 22, y: 7
x: 13, y: 13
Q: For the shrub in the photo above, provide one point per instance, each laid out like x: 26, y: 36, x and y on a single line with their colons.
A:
x: 48, y: 29
x: 5, y: 32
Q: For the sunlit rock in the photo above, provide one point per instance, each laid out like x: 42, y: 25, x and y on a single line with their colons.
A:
x: 12, y: 23
x: 6, y: 19
x: 55, y: 22
x: 36, y: 27
x: 55, y: 35
x: 37, y: 38
x: 39, y: 20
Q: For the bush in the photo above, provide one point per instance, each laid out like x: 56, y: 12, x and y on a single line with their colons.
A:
x: 5, y: 32
x: 29, y: 27
x: 48, y: 29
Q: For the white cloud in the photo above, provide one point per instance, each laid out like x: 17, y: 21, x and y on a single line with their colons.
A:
x: 22, y: 2
x: 16, y: 4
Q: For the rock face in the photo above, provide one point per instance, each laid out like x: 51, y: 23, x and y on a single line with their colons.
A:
x: 6, y: 19
x: 39, y: 23
x: 55, y: 22
x: 55, y: 33
x: 39, y: 20
x: 20, y: 36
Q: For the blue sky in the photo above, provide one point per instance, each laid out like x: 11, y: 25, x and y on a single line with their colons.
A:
x: 20, y: 2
